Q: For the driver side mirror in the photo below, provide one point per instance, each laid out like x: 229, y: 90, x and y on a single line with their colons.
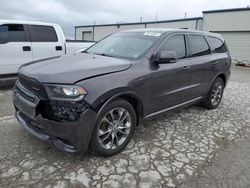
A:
x: 165, y: 57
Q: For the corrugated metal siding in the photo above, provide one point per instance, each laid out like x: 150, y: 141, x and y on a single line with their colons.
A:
x: 190, y: 24
x: 227, y: 21
x: 238, y: 44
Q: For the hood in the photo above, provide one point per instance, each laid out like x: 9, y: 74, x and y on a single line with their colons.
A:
x: 71, y: 69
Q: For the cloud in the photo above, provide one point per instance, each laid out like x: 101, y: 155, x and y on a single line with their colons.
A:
x: 82, y: 12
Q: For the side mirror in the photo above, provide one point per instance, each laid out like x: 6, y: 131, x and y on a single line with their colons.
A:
x: 167, y: 57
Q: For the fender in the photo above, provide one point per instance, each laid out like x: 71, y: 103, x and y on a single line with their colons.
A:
x: 110, y: 96
x: 217, y: 75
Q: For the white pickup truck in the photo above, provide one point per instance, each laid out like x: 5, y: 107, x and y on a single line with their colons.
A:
x: 24, y: 41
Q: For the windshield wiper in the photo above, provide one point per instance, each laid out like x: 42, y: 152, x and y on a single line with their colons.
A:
x: 107, y: 55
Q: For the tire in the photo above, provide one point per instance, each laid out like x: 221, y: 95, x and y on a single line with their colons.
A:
x: 215, y: 94
x: 108, y: 128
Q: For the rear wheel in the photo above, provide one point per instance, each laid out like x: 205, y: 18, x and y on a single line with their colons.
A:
x: 215, y: 94
x: 114, y: 128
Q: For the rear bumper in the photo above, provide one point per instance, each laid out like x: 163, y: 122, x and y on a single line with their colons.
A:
x: 66, y: 136
x: 228, y: 74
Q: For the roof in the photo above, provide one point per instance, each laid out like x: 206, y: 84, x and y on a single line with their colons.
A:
x: 161, y: 30
x: 165, y: 30
x: 226, y: 10
x: 26, y: 22
x: 136, y: 23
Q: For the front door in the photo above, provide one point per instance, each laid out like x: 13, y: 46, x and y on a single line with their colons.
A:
x: 170, y: 84
x: 15, y: 48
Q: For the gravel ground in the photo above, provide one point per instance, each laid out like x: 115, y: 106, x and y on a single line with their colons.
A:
x: 229, y: 168
x: 178, y: 149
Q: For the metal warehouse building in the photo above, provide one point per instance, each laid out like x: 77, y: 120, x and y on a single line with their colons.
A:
x: 233, y: 24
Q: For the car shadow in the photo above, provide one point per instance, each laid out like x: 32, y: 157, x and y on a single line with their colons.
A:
x: 7, y: 84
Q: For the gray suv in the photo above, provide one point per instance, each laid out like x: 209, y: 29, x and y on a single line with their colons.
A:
x: 96, y: 98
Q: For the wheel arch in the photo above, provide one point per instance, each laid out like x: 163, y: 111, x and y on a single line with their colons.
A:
x: 223, y: 77
x: 129, y: 96
x: 220, y: 75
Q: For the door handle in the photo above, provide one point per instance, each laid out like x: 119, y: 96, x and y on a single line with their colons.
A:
x: 26, y: 48
x: 58, y: 48
x: 185, y: 68
x: 215, y: 62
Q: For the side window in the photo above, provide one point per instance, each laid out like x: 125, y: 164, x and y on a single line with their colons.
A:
x: 217, y: 45
x: 12, y: 33
x: 43, y: 34
x: 177, y: 44
x: 198, y: 46
x: 3, y: 34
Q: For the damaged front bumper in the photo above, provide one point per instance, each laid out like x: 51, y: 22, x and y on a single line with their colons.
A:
x: 68, y: 126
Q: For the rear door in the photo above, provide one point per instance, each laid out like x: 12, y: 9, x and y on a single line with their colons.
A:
x: 201, y: 61
x: 45, y: 42
x: 15, y: 48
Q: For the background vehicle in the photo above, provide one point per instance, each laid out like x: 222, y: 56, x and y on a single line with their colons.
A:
x: 125, y: 77
x: 23, y: 41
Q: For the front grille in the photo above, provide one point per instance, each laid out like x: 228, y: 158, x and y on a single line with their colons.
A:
x: 25, y: 93
x: 32, y: 85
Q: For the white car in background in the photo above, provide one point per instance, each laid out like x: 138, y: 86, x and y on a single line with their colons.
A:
x: 24, y: 41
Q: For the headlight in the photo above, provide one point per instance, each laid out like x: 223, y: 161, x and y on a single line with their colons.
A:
x: 65, y: 92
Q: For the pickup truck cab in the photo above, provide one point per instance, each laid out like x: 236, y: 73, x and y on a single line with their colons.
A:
x: 98, y: 97
x: 24, y: 41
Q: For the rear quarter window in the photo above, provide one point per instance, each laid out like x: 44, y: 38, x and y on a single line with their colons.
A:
x: 217, y: 45
x: 43, y: 34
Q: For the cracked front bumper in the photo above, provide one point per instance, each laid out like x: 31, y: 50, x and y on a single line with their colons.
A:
x: 67, y: 136
x: 70, y: 136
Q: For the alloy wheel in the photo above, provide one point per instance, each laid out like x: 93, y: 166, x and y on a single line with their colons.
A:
x: 217, y: 93
x: 114, y: 128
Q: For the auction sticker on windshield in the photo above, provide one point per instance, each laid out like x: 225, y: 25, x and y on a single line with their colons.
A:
x: 155, y: 34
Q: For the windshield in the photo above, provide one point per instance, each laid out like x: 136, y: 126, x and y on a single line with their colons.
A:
x: 129, y: 45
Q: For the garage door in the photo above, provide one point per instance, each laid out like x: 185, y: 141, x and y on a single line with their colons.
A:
x: 86, y: 35
x: 238, y: 44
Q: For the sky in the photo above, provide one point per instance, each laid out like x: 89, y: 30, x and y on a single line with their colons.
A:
x: 70, y: 13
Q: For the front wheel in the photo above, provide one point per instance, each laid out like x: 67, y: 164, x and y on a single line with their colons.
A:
x: 215, y: 94
x: 114, y: 128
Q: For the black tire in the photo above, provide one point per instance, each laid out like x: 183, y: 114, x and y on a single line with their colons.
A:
x: 212, y: 102
x: 105, y: 112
